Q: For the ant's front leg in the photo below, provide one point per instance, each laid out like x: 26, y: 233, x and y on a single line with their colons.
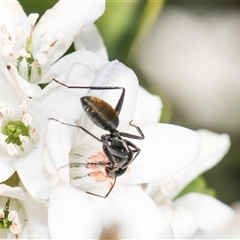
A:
x: 136, y: 150
x: 106, y: 149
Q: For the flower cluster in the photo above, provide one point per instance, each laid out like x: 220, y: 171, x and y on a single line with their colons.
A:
x: 55, y: 166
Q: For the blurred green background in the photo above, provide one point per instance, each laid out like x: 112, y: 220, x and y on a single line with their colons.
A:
x: 123, y: 26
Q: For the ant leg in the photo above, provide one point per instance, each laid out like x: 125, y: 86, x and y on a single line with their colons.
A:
x: 128, y: 135
x: 121, y: 98
x: 72, y: 125
x: 136, y: 150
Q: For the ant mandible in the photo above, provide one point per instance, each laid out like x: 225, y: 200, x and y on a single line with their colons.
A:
x: 119, y: 151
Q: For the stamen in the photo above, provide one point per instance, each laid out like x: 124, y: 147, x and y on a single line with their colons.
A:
x: 16, y: 136
x: 9, y: 111
x: 42, y: 58
x: 6, y: 32
x: 11, y: 149
x: 12, y: 218
x: 7, y: 48
x: 23, y: 139
x: 27, y: 119
x: 23, y: 107
x: 98, y: 176
x: 15, y: 227
x: 53, y: 43
x: 20, y: 31
x: 24, y: 53
x: 32, y: 18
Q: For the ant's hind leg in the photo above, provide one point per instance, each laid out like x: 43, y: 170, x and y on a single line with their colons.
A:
x: 129, y: 135
x: 121, y: 98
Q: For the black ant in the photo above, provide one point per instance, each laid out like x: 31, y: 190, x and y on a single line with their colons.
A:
x: 119, y: 151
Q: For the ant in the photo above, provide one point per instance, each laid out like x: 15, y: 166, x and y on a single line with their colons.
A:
x: 119, y: 151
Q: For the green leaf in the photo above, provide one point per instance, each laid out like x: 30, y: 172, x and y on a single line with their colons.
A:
x: 123, y: 22
x: 37, y: 6
x: 198, y: 185
x: 13, y: 181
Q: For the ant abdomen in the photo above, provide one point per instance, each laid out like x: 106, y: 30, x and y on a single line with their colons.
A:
x: 100, y: 112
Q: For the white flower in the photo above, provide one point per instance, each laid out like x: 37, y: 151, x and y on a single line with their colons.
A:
x: 22, y: 131
x: 165, y: 150
x: 194, y: 213
x: 20, y: 216
x: 192, y: 59
x: 31, y: 47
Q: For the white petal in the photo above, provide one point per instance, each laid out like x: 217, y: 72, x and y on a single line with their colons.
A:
x: 165, y: 150
x: 13, y: 192
x: 41, y: 31
x: 33, y: 174
x: 6, y: 168
x: 59, y: 141
x: 129, y: 213
x: 117, y: 74
x: 9, y: 92
x: 90, y: 39
x: 148, y: 108
x: 36, y: 219
x: 73, y: 215
x: 28, y: 88
x: 211, y: 215
x: 11, y: 14
x: 59, y: 101
x: 184, y: 223
x: 69, y: 17
x: 90, y: 59
x: 213, y: 147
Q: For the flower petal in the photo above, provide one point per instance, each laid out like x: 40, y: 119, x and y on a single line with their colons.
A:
x: 117, y: 74
x: 13, y: 192
x: 213, y: 147
x: 73, y: 215
x: 90, y: 39
x: 211, y: 215
x: 28, y: 89
x: 69, y: 17
x: 36, y: 219
x: 128, y: 213
x: 57, y: 100
x: 33, y: 174
x: 183, y: 222
x: 9, y: 92
x: 11, y: 15
x: 145, y: 114
x: 59, y: 141
x: 6, y: 168
x: 88, y: 58
x: 165, y: 150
